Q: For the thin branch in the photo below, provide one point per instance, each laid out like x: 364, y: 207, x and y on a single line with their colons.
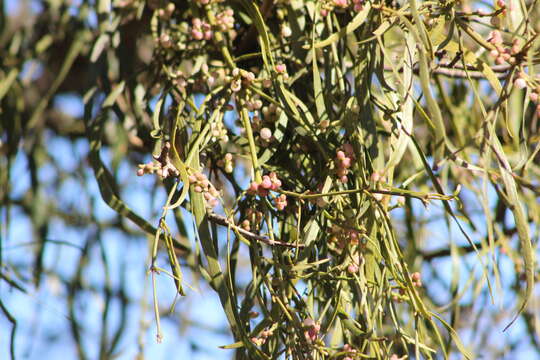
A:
x: 458, y: 71
x: 221, y: 220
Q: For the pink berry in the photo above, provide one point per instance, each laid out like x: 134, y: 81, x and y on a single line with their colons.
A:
x: 281, y: 68
x: 352, y: 268
x: 266, y: 183
x: 253, y: 187
x: 348, y: 150
x: 346, y: 162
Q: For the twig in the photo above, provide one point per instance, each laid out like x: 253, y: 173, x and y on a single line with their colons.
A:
x: 221, y: 220
x: 459, y: 72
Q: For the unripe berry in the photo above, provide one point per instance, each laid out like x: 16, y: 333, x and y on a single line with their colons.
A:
x: 286, y: 31
x: 266, y: 183
x: 520, y: 83
x: 266, y: 134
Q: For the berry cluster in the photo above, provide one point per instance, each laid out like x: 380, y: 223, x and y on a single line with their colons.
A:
x: 165, y: 41
x: 330, y: 5
x: 343, y: 162
x: 503, y: 54
x: 358, y: 5
x: 281, y: 202
x: 416, y: 279
x: 201, y: 184
x: 166, y: 12
x: 269, y: 182
x: 350, y: 351
x: 535, y: 98
x: 354, y: 265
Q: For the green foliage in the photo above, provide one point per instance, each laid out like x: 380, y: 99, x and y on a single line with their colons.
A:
x: 316, y: 139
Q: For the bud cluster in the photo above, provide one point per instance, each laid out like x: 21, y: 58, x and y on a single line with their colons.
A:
x: 241, y: 79
x: 218, y: 132
x: 261, y: 339
x: 225, y: 20
x: 179, y: 79
x: 377, y: 178
x: 346, y: 237
x: 253, y: 217
x: 270, y: 112
x: 312, y: 329
x: 161, y: 165
x: 201, y: 30
x: 227, y: 163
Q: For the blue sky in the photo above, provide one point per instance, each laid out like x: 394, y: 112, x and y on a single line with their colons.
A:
x: 42, y: 314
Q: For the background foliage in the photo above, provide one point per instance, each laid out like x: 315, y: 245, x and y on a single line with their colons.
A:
x: 351, y: 179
